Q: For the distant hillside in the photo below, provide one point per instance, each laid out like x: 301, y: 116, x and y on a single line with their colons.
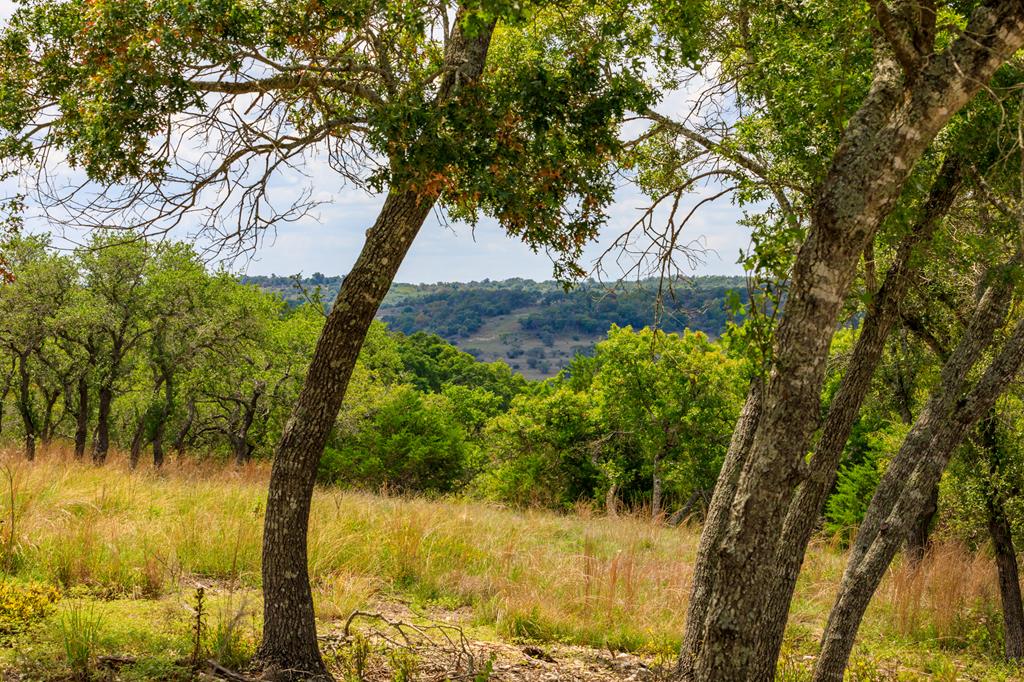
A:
x: 536, y: 327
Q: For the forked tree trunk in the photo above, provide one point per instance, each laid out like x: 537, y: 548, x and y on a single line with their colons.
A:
x: 289, y: 649
x: 898, y: 119
x: 715, y: 525
x: 809, y: 501
x: 48, y: 427
x: 135, y: 453
x: 186, y: 427
x: 906, y: 487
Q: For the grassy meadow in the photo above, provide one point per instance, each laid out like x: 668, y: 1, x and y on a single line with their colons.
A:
x: 101, y: 569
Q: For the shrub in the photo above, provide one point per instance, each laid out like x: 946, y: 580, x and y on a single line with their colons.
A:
x: 21, y: 604
x: 410, y: 443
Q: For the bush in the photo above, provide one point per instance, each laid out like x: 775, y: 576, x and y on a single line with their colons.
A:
x: 854, y: 487
x: 21, y: 604
x: 410, y: 443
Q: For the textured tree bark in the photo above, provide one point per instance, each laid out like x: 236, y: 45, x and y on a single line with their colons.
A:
x: 82, y: 417
x: 917, y: 537
x: 160, y: 424
x: 135, y: 452
x: 289, y: 631
x: 182, y: 437
x: 1009, y: 580
x: 289, y: 649
x: 656, y: 489
x: 884, y: 139
x: 240, y: 438
x: 101, y: 439
x: 48, y: 426
x: 906, y: 487
x: 611, y: 500
x: 713, y: 531
x: 809, y: 501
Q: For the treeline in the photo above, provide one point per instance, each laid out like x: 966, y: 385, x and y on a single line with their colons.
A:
x: 455, y: 310
x: 137, y: 345
x: 134, y: 344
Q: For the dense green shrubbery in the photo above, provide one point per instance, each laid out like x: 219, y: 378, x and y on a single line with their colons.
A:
x: 409, y: 443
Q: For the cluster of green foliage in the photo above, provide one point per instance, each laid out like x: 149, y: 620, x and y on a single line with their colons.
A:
x: 647, y: 406
x: 202, y: 361
x: 139, y: 341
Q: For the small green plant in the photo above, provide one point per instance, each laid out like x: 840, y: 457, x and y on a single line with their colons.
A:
x: 485, y: 672
x: 198, y: 624
x: 80, y: 627
x: 355, y: 659
x: 403, y: 665
x: 229, y: 643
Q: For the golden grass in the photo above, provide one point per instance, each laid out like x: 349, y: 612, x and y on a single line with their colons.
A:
x: 618, y: 583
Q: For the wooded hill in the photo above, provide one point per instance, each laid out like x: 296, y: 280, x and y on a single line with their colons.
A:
x: 536, y: 327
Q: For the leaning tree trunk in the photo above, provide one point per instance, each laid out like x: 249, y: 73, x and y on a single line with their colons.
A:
x: 809, y: 501
x: 1001, y: 533
x: 715, y: 524
x: 289, y: 648
x: 905, y: 490
x: 289, y: 630
x: 883, y: 141
x: 181, y: 438
x: 135, y: 452
x: 101, y: 439
x: 1009, y: 579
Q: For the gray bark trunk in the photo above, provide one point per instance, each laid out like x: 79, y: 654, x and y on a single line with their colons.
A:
x: 905, y: 490
x: 82, y: 417
x: 28, y: 418
x: 1002, y: 543
x: 883, y: 141
x: 713, y: 531
x: 182, y: 437
x: 809, y: 501
x: 917, y: 537
x: 101, y: 439
x: 656, y: 490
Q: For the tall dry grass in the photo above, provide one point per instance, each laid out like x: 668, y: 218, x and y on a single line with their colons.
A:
x: 612, y: 582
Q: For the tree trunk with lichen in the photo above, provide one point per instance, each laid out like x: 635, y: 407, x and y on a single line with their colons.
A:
x: 906, y: 488
x: 899, y: 117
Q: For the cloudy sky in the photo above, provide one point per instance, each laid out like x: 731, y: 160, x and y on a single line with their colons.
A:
x: 328, y: 240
